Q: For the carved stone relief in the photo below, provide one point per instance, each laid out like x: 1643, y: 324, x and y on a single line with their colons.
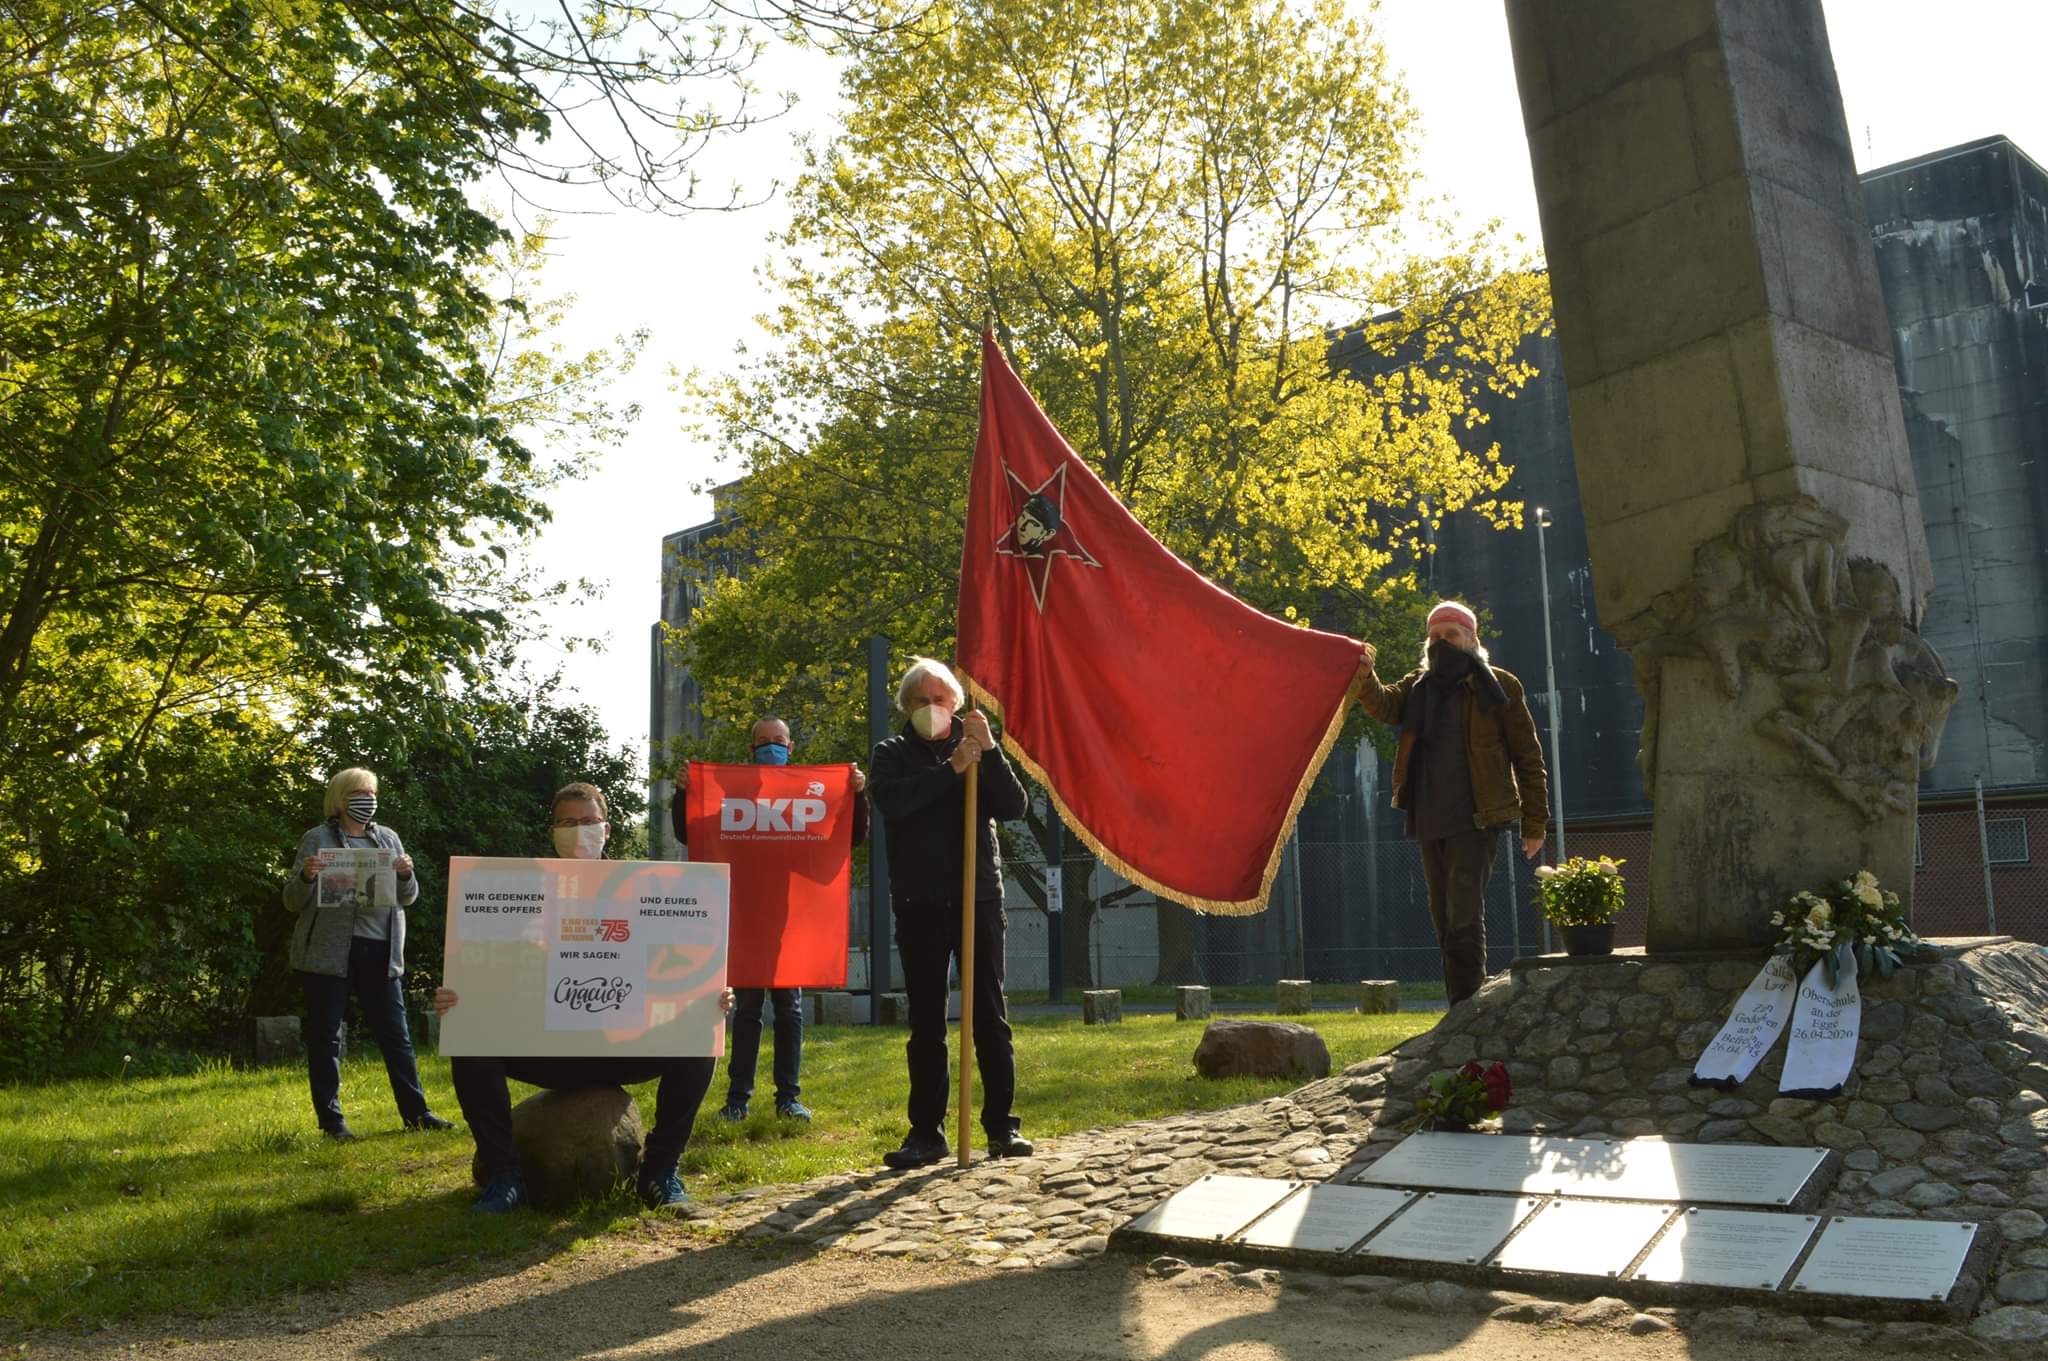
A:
x: 1861, y: 696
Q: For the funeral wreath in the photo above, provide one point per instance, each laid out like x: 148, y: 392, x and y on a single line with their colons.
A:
x: 1850, y: 924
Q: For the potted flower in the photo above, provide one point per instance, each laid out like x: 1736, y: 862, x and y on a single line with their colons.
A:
x: 1583, y: 897
x: 1851, y: 924
x: 1464, y: 1098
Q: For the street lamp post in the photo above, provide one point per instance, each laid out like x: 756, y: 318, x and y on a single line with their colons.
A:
x: 1550, y: 681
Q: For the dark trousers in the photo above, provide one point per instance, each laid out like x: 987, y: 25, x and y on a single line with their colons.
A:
x: 928, y: 940
x: 1456, y: 869
x: 744, y: 1050
x: 382, y: 1002
x: 480, y: 1085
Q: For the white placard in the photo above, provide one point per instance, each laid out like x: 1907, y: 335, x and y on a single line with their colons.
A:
x: 1825, y: 1026
x: 623, y: 958
x: 1212, y: 1208
x: 1584, y: 1237
x: 1326, y: 1218
x: 1752, y: 1027
x: 1743, y: 1248
x: 356, y: 877
x: 1903, y: 1259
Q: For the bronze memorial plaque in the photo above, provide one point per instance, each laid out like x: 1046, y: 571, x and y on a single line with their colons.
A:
x: 1749, y: 1248
x: 1584, y: 1237
x: 1439, y: 1227
x: 1900, y: 1259
x: 1326, y: 1218
x: 1211, y: 1208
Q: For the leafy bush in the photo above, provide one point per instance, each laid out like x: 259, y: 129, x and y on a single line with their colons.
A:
x: 1582, y: 892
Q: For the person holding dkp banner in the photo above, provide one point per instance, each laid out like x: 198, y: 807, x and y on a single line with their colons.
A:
x: 771, y: 746
x: 920, y: 786
x: 580, y: 830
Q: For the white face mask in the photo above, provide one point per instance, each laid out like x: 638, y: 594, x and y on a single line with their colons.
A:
x: 580, y: 843
x: 932, y: 721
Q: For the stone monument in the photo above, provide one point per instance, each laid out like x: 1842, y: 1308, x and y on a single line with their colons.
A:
x: 1750, y: 505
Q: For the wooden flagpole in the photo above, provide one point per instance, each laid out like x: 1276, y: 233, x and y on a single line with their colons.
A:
x: 968, y: 839
x: 966, y: 1149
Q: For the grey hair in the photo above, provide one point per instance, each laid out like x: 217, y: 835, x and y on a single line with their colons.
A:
x: 920, y: 669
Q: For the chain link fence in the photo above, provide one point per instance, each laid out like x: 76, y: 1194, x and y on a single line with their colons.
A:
x: 1342, y: 911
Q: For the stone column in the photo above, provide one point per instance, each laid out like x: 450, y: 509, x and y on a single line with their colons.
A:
x: 1755, y: 531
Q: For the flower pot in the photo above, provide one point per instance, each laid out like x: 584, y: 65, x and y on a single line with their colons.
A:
x: 1589, y: 940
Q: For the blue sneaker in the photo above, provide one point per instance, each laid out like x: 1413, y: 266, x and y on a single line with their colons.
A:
x: 733, y: 1112
x: 665, y: 1193
x: 793, y: 1110
x: 502, y: 1195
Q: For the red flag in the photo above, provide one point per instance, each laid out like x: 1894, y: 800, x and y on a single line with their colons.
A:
x: 787, y: 832
x: 1177, y: 728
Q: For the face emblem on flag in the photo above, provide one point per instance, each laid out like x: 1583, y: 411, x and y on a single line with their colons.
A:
x: 1037, y: 522
x: 1040, y: 532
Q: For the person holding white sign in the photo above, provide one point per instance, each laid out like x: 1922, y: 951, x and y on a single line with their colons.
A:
x: 581, y: 829
x: 350, y: 885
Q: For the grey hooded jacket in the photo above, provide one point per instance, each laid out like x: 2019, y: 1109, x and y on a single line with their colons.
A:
x: 320, y: 938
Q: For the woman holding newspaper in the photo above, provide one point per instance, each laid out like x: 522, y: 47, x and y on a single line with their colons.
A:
x: 350, y: 885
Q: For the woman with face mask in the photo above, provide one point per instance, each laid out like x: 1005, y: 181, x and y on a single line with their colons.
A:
x: 353, y: 940
x: 579, y: 832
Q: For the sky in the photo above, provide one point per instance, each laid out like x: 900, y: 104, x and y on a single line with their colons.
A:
x: 1911, y: 83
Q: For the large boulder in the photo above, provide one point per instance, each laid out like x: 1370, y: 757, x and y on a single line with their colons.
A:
x: 574, y: 1145
x: 1261, y: 1049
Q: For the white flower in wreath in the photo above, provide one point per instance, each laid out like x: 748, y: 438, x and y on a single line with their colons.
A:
x: 1545, y: 871
x: 1864, y: 880
x: 1608, y: 867
x: 1869, y: 895
x: 1819, y: 917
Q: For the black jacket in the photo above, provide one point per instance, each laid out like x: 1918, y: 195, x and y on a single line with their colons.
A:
x: 922, y: 799
x: 679, y: 820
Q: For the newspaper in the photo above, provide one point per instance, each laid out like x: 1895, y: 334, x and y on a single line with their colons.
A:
x: 358, y: 878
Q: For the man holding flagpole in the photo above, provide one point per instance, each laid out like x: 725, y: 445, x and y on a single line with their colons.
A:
x: 920, y: 787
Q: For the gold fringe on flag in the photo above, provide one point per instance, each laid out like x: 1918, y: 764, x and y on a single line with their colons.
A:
x: 1247, y: 907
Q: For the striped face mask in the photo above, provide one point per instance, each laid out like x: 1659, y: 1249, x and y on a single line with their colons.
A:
x: 362, y: 805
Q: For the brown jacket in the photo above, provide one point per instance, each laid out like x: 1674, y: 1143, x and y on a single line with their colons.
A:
x: 1506, y: 761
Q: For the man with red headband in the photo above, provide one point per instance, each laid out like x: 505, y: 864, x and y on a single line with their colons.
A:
x: 1467, y: 764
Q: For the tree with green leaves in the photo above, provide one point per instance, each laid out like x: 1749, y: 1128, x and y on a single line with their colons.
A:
x: 271, y: 387
x: 1169, y: 207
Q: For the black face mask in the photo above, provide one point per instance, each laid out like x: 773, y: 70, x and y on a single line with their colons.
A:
x: 1447, y: 661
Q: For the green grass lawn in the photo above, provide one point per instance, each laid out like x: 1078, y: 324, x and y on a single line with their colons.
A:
x: 199, y: 1192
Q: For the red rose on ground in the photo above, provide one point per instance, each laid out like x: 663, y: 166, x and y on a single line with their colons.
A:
x: 1498, y: 1086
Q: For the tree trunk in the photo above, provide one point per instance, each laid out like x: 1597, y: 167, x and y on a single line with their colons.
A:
x: 1179, y: 934
x: 1076, y: 954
